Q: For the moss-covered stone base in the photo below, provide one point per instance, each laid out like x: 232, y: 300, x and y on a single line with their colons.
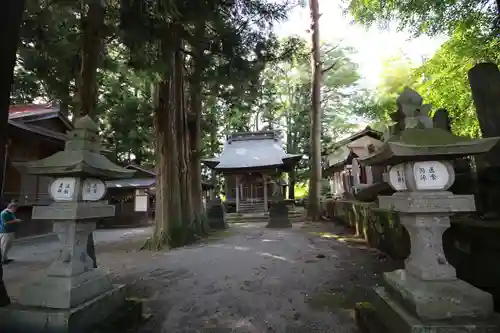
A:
x: 470, y: 245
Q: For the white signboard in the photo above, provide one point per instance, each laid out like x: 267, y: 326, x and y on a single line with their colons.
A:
x: 431, y: 175
x: 141, y: 203
x: 397, y: 177
x: 93, y: 189
x: 62, y: 189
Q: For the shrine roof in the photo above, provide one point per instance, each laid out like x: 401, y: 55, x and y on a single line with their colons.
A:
x: 131, y: 183
x: 336, y: 160
x: 38, y: 130
x: 24, y: 117
x: 368, y: 131
x: 143, y: 169
x: 252, y: 150
x: 142, y: 183
x: 36, y: 112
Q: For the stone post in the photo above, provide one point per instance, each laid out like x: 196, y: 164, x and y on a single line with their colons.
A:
x: 484, y: 79
x: 264, y: 182
x: 237, y: 194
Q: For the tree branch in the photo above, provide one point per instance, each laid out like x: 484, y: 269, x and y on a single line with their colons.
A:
x: 323, y: 71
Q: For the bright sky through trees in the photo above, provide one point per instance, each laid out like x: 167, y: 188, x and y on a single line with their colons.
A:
x: 373, y: 45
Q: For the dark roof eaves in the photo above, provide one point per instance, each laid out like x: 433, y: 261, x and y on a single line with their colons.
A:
x: 38, y: 130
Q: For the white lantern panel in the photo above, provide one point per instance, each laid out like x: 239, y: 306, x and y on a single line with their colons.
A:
x: 62, y: 189
x: 431, y: 175
x: 397, y: 177
x: 93, y: 189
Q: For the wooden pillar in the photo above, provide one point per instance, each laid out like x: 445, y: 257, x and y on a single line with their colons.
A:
x: 251, y: 192
x: 264, y: 178
x: 237, y: 194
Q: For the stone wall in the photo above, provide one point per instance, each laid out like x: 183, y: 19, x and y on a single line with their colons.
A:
x: 471, y: 246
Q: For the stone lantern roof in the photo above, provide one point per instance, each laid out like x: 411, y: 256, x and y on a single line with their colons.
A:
x: 419, y: 141
x: 81, y: 157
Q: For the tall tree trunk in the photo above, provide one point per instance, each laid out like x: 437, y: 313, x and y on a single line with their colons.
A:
x: 195, y: 125
x: 10, y: 23
x: 496, y: 25
x: 186, y: 215
x: 65, y: 100
x: 314, y: 209
x: 213, y: 144
x: 169, y: 213
x: 290, y: 143
x: 160, y: 96
x: 92, y: 25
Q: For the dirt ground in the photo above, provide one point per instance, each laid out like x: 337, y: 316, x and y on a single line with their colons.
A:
x: 249, y: 279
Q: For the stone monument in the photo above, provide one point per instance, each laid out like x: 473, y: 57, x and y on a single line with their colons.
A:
x: 484, y: 79
x: 426, y: 296
x: 441, y: 120
x: 72, y: 295
x: 216, y: 215
x: 278, y: 215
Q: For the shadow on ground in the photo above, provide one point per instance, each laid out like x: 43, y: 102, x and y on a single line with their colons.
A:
x: 253, y: 279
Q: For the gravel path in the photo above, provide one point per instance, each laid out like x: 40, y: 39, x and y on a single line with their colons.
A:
x: 246, y: 279
x: 252, y: 279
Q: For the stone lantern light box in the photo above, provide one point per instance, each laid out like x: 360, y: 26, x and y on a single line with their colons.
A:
x: 72, y: 295
x: 427, y: 295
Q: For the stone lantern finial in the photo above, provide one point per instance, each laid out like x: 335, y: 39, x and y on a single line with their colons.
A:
x: 410, y: 103
x: 85, y: 136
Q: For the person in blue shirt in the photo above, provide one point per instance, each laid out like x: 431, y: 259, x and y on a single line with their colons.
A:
x: 8, y: 228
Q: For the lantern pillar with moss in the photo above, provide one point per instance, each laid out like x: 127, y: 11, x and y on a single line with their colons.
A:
x: 72, y: 295
x: 425, y: 296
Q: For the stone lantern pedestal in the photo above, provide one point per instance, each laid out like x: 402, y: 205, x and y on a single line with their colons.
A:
x: 71, y: 296
x: 426, y: 296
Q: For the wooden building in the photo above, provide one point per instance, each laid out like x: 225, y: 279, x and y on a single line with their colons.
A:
x: 346, y: 176
x: 125, y: 194
x: 252, y: 164
x: 35, y: 132
x: 134, y: 198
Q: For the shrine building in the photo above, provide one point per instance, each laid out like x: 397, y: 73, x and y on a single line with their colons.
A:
x: 253, y: 164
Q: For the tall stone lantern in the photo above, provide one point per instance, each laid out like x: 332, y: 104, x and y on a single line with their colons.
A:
x: 426, y: 296
x: 72, y: 295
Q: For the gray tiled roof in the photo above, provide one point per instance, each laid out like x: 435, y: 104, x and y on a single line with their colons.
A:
x: 251, y: 150
x: 131, y: 183
x: 141, y: 183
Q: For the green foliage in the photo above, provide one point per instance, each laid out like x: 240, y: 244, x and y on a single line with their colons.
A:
x: 428, y: 16
x: 442, y: 81
x: 445, y: 77
x: 49, y: 50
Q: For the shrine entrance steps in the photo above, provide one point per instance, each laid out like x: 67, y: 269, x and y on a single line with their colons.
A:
x: 248, y: 207
x: 294, y: 216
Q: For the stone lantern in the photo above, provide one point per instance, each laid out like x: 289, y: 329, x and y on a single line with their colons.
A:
x: 71, y: 295
x: 426, y: 296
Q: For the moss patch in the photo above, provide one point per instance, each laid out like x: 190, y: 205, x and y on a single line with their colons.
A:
x: 428, y: 137
x: 218, y: 235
